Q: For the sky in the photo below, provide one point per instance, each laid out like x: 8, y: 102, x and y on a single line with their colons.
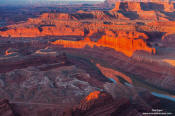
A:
x: 25, y: 2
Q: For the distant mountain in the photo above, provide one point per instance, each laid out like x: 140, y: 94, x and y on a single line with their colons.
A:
x: 111, y: 3
x: 139, y: 0
x: 44, y: 2
x: 114, y: 1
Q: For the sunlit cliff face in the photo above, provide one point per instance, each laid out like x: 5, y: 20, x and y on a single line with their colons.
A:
x: 124, y: 45
x: 114, y: 74
x: 45, y: 31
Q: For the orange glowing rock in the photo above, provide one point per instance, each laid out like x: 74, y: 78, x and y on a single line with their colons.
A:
x: 110, y: 73
x: 21, y: 32
x: 168, y: 6
x: 59, y: 16
x: 7, y: 53
x: 147, y: 15
x: 117, y: 6
x: 122, y: 43
x: 170, y: 61
x: 134, y: 6
x: 10, y: 51
x: 93, y: 95
x: 128, y: 6
x: 138, y: 8
x: 45, y: 31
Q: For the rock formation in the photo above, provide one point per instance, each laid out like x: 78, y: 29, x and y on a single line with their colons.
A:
x: 120, y: 58
x: 74, y: 24
x: 140, y: 6
x: 125, y: 43
x: 114, y: 74
x: 127, y: 6
x: 106, y: 105
x: 5, y: 108
x: 68, y: 75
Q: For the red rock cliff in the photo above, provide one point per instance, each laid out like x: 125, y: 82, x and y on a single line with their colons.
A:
x: 136, y: 5
x: 125, y: 43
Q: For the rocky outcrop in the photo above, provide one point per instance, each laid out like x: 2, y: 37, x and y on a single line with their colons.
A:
x: 5, y: 108
x: 80, y: 23
x: 11, y: 51
x: 143, y: 5
x: 87, y: 107
x: 114, y: 1
x: 48, y: 24
x: 41, y: 31
x: 13, y: 60
x: 114, y: 74
x: 45, y: 88
x: 48, y: 88
x: 127, y: 6
x: 125, y: 43
x: 105, y: 105
x: 168, y: 6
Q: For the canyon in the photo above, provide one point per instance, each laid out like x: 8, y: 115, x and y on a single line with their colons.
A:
x: 113, y: 58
